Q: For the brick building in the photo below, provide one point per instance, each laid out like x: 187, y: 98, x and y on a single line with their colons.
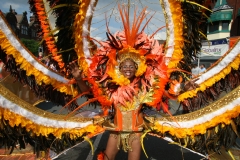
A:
x: 235, y: 29
x: 21, y: 26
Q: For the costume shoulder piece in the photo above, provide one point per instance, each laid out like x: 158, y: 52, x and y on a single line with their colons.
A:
x: 132, y: 43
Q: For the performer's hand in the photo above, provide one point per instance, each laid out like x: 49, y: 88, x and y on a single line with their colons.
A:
x: 75, y: 71
x: 77, y: 75
x: 190, y: 85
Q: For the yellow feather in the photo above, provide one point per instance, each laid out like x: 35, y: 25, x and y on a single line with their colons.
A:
x: 142, y: 137
x: 90, y: 142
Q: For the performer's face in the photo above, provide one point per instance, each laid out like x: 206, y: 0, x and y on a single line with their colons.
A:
x: 128, y: 69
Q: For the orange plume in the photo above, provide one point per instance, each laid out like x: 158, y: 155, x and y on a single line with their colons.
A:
x: 131, y: 32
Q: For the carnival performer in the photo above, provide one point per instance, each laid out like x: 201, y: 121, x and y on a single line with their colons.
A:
x: 127, y: 73
x: 128, y: 125
x: 131, y: 132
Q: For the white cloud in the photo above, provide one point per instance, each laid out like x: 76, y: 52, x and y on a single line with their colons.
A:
x: 105, y: 9
x: 98, y: 28
x: 19, y: 6
x: 98, y: 38
x: 160, y: 36
x: 14, y: 6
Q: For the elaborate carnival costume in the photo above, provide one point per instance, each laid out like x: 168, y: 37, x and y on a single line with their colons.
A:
x: 127, y: 97
x: 159, y: 69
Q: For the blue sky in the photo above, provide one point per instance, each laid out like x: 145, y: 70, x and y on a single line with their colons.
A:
x: 20, y: 6
x: 109, y: 8
x: 105, y: 8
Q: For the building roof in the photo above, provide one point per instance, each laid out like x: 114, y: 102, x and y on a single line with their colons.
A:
x: 31, y: 23
x: 221, y: 5
x: 19, y: 18
x: 221, y: 15
x: 221, y: 11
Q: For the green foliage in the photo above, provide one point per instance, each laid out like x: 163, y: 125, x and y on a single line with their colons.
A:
x: 31, y: 45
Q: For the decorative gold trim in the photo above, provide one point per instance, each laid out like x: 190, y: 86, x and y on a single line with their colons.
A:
x: 23, y: 104
x: 233, y: 65
x: 227, y: 99
x: 40, y: 77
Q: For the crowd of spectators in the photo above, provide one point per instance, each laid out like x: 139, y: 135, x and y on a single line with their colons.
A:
x: 196, y: 70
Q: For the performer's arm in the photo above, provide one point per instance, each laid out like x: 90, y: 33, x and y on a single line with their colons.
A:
x: 77, y: 75
x: 178, y: 86
x: 82, y: 85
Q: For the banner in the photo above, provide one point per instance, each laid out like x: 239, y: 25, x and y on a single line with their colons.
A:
x: 214, y: 50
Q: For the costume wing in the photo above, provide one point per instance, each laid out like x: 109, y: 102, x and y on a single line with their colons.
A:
x: 27, y: 82
x: 213, y: 116
x: 213, y: 107
x: 220, y: 118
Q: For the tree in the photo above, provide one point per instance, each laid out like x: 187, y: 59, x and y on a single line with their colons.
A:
x: 31, y: 45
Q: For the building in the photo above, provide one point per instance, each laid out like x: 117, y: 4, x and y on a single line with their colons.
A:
x: 235, y: 28
x: 222, y: 30
x: 219, y: 24
x: 21, y: 26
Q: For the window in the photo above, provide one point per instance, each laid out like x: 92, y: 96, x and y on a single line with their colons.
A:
x: 33, y: 33
x: 40, y: 49
x: 213, y: 26
x: 24, y: 30
x: 13, y: 27
x: 225, y: 25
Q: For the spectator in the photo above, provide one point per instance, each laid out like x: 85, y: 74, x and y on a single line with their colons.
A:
x: 40, y: 56
x: 53, y: 67
x: 202, y: 68
x: 47, y: 61
x: 1, y: 68
x: 195, y: 70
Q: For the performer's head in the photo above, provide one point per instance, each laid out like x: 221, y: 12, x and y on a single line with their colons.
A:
x: 128, y: 68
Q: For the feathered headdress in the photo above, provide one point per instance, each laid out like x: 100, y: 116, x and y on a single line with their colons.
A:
x: 130, y: 43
